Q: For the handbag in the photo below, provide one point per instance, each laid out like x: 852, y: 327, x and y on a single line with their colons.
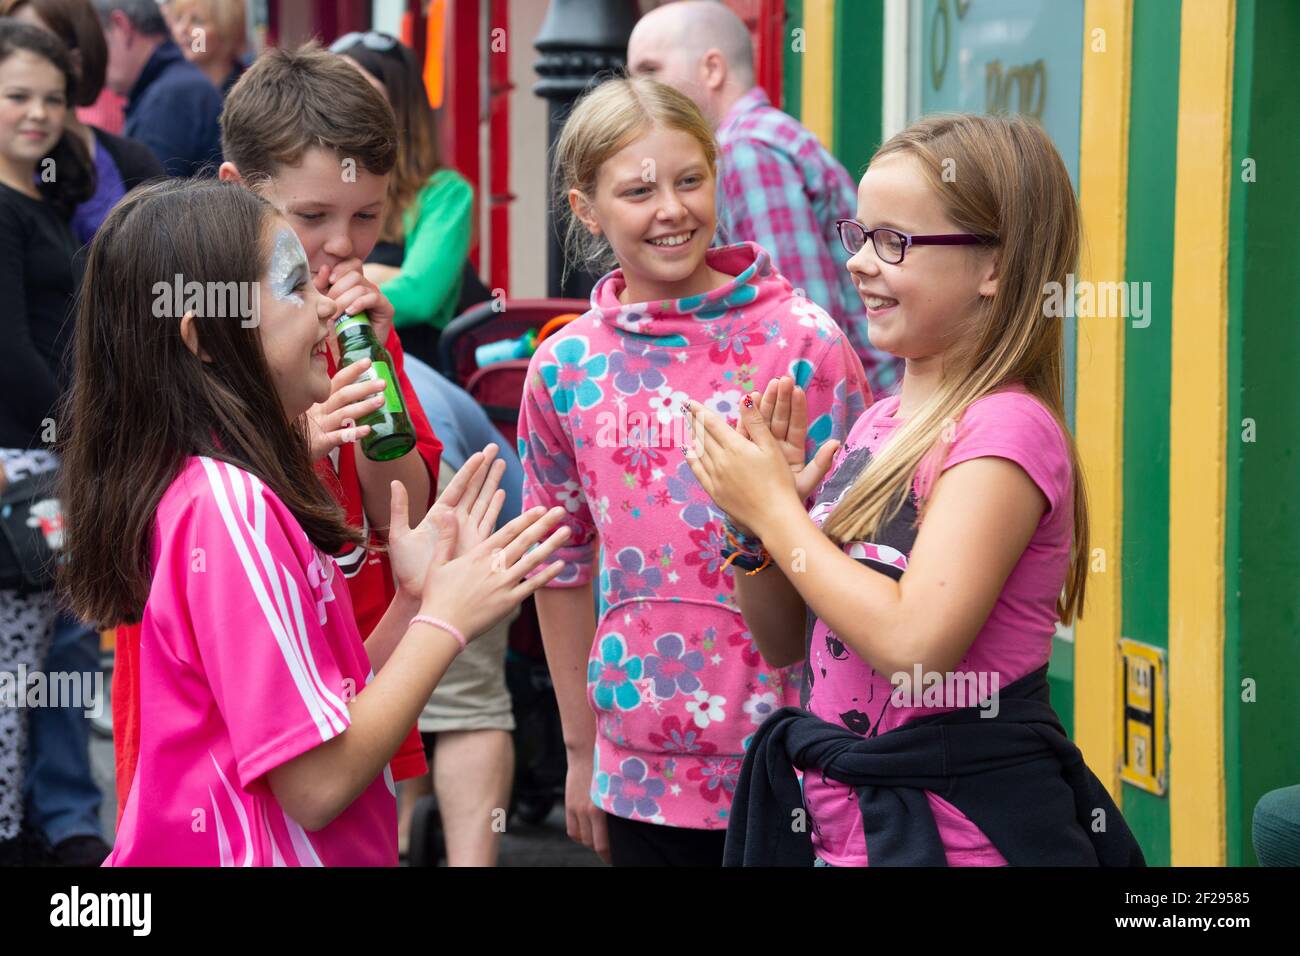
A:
x: 31, y: 533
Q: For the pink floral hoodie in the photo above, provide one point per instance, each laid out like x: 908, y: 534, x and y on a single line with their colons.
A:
x: 675, y: 680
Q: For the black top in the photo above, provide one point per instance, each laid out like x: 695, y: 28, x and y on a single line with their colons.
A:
x: 173, y: 109
x: 135, y: 161
x: 1014, y: 775
x: 39, y: 279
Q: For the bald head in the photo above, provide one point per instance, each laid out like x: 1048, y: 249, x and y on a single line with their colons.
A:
x: 699, y: 47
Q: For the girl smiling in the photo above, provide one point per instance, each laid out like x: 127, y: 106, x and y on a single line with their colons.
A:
x: 659, y: 696
x: 948, y: 537
x: 36, y: 269
x: 266, y: 721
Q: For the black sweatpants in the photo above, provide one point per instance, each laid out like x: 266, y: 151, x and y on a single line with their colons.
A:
x: 634, y: 843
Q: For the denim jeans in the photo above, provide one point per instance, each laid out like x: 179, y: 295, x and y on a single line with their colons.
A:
x: 61, y: 797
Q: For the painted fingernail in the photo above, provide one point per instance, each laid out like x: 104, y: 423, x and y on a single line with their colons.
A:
x: 749, y: 402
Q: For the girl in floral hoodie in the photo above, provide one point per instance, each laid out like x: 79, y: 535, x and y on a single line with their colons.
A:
x: 659, y: 696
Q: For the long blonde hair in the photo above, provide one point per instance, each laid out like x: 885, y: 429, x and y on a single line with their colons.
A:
x: 605, y: 120
x: 1009, y: 184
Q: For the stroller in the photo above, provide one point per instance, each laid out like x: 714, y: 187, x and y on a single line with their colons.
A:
x: 498, y: 387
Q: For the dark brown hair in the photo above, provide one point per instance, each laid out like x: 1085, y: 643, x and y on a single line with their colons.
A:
x: 74, y: 179
x: 419, y: 157
x: 142, y: 403
x: 77, y: 25
x: 291, y: 100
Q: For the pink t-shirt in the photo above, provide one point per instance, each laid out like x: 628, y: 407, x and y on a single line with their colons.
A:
x: 1016, y: 638
x: 249, y: 654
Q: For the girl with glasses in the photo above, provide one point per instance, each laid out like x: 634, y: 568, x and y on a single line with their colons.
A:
x: 943, y: 543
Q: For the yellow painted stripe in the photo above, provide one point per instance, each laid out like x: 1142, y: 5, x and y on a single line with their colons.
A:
x: 1198, y: 434
x: 1099, y: 390
x: 818, y: 113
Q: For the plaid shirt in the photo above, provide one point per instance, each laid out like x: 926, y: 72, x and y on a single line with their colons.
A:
x: 783, y: 190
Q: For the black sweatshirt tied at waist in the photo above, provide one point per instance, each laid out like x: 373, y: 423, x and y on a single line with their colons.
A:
x: 1015, y: 775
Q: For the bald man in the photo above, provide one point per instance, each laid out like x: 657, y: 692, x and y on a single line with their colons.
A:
x: 778, y: 186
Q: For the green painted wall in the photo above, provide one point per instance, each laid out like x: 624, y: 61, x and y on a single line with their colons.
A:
x: 1262, y: 559
x: 859, y: 81
x: 792, y: 71
x: 1060, y: 682
x: 1149, y: 257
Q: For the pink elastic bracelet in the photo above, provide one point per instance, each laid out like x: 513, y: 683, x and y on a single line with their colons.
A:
x: 435, y: 622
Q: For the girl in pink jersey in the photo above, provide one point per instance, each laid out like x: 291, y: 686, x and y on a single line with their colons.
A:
x: 266, y: 722
x: 660, y: 696
x: 949, y: 535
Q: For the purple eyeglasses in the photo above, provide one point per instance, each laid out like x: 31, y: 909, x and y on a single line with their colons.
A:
x: 892, y: 245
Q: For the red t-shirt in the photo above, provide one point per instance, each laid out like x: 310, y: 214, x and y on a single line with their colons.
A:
x: 369, y: 577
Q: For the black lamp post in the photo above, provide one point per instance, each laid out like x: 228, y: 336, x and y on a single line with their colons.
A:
x: 579, y: 40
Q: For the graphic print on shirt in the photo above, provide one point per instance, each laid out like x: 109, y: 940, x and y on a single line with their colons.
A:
x: 674, y: 678
x: 1015, y: 639
x: 888, y: 555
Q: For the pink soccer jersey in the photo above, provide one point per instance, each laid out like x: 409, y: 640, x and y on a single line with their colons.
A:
x: 249, y: 654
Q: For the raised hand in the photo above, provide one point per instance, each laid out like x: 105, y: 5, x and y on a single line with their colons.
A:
x: 748, y: 477
x: 784, y: 408
x: 473, y: 499
x: 348, y: 285
x: 484, y: 584
x: 333, y: 422
x: 464, y: 515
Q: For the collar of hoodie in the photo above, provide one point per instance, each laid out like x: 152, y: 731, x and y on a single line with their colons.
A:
x: 754, y: 287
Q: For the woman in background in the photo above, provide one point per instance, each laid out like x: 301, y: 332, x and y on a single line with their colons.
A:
x: 62, y: 800
x: 424, y: 244
x: 37, y: 272
x: 212, y: 35
x: 121, y: 164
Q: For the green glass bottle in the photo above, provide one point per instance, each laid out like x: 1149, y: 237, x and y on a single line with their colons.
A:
x: 391, y: 433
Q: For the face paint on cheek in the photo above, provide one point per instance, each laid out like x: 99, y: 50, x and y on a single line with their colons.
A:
x: 288, y: 267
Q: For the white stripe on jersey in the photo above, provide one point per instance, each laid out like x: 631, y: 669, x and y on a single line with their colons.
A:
x: 304, y: 645
x: 276, y: 858
x: 239, y: 812
x: 325, y: 723
x: 223, y: 844
x: 259, y: 507
x: 334, y: 708
x: 301, y: 844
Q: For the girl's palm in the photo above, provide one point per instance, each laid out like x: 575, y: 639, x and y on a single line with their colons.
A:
x: 465, y: 515
x: 784, y: 407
